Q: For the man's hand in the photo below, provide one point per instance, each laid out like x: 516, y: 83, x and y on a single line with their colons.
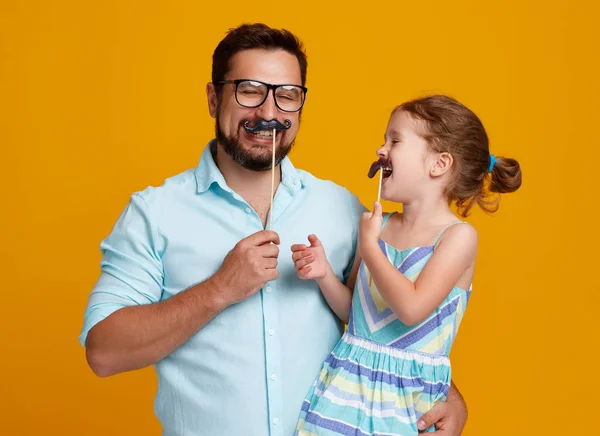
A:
x: 248, y: 267
x: 140, y: 335
x: 310, y: 262
x: 449, y: 417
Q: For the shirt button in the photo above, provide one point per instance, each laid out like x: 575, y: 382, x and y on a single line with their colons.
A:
x: 248, y: 210
x: 271, y: 332
x: 275, y: 421
x: 268, y: 289
x: 273, y: 377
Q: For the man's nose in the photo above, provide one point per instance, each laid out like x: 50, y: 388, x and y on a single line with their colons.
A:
x: 268, y: 110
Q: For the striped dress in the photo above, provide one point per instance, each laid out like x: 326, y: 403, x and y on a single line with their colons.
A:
x: 383, y: 375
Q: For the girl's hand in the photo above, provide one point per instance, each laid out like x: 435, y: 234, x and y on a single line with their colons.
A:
x: 310, y: 262
x: 369, y: 226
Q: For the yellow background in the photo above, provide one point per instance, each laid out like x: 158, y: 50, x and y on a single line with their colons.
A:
x: 100, y: 99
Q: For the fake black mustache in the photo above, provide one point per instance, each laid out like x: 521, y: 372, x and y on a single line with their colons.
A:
x: 376, y: 166
x: 267, y: 125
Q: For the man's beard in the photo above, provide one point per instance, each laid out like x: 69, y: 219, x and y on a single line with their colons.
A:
x: 250, y: 159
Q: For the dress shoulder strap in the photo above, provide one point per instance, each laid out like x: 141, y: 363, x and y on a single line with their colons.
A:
x: 444, y: 230
x: 386, y: 218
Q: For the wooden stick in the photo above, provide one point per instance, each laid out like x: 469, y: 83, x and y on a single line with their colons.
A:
x: 272, y: 182
x: 378, y: 199
x: 380, y: 181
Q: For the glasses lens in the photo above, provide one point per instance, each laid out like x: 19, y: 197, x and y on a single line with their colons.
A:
x: 251, y: 94
x: 289, y: 98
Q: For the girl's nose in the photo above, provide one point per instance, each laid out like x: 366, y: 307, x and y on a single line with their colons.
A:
x: 382, y: 152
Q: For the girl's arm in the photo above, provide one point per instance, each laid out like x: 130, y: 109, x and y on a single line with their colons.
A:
x: 413, y: 302
x: 311, y: 263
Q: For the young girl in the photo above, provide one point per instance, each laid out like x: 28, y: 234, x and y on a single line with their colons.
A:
x: 412, y: 275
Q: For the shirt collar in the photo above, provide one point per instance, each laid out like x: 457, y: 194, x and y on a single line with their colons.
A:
x: 208, y: 173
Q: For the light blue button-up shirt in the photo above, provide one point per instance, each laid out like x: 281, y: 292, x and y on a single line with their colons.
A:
x: 249, y: 369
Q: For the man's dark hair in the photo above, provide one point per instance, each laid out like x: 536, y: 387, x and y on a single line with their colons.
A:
x: 256, y: 36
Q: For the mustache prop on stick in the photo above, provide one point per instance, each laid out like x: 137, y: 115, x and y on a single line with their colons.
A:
x: 274, y: 125
x: 377, y: 166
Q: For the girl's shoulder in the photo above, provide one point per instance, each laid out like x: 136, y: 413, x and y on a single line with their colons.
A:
x: 458, y: 232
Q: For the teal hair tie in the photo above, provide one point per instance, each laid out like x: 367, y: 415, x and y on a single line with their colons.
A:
x: 492, y: 163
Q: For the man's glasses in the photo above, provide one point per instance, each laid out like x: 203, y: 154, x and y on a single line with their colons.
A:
x: 252, y: 93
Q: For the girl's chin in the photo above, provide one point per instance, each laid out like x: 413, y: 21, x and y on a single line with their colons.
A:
x: 386, y: 192
x: 388, y: 195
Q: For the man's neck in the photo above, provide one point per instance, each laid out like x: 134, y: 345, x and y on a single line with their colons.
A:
x: 252, y: 186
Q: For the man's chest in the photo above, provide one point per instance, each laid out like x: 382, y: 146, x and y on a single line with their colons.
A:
x: 198, y: 242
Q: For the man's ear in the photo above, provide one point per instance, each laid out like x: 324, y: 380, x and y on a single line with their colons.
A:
x: 211, y: 96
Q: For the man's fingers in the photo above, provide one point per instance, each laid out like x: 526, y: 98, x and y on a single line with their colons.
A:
x: 263, y: 237
x: 270, y: 263
x: 434, y: 415
x: 272, y: 274
x: 270, y: 250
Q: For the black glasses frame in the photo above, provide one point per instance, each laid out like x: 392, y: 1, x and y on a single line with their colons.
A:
x: 269, y: 87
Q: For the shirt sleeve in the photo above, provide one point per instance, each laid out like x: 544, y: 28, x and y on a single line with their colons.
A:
x: 131, y: 266
x: 356, y: 211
